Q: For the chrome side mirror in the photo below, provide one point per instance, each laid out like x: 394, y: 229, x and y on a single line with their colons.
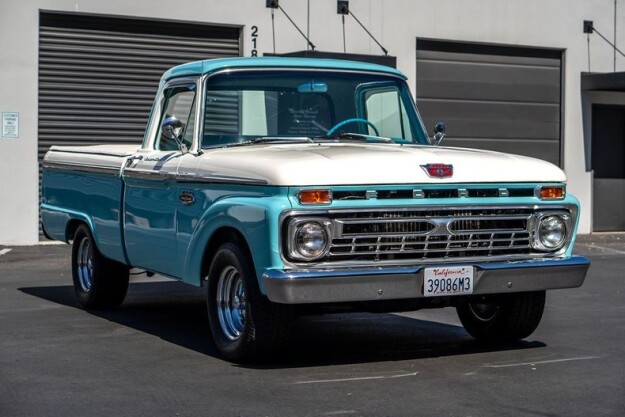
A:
x: 173, y: 128
x: 439, y: 133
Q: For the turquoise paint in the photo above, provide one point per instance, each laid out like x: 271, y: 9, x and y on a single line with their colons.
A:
x: 89, y: 197
x: 253, y: 211
x: 150, y: 225
x: 575, y: 201
x: 56, y: 220
x: 213, y: 65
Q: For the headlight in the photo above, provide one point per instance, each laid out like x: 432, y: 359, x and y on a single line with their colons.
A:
x: 309, y: 239
x: 552, y: 232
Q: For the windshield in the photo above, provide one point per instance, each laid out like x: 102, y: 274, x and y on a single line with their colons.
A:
x: 243, y: 106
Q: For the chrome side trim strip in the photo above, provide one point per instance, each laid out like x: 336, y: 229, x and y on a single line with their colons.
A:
x: 90, y: 168
x: 100, y: 152
x: 147, y: 174
x: 188, y: 178
x: 218, y: 179
x: 349, y: 285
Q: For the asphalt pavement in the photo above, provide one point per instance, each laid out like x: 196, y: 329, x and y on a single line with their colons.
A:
x: 154, y: 355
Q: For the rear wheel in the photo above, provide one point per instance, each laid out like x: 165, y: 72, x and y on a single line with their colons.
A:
x: 244, y: 324
x: 98, y: 281
x: 502, y: 318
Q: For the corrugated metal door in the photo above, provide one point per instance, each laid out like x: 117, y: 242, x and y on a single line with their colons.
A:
x: 505, y: 99
x: 98, y: 75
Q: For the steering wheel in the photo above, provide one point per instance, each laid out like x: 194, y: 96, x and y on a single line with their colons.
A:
x: 354, y: 120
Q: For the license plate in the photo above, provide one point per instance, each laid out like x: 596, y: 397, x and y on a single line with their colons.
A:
x: 452, y: 280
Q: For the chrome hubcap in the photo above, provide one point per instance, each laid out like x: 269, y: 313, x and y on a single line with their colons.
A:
x: 85, y: 264
x: 231, y: 303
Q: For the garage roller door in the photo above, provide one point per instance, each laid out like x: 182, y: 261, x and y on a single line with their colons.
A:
x: 505, y: 99
x: 98, y: 75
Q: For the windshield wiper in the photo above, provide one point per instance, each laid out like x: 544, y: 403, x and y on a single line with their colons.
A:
x: 350, y: 135
x: 277, y: 139
x: 268, y: 139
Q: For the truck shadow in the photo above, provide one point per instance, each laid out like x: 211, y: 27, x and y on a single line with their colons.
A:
x: 176, y: 313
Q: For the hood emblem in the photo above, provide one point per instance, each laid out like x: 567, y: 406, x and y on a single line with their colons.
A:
x: 438, y: 170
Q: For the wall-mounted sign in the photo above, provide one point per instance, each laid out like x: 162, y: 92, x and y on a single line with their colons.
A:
x: 10, y: 125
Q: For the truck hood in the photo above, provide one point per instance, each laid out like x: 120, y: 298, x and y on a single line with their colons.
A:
x: 324, y: 164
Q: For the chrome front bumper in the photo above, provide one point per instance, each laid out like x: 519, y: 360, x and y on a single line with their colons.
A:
x: 391, y: 283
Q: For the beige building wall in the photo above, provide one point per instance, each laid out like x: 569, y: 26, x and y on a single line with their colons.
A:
x: 396, y: 23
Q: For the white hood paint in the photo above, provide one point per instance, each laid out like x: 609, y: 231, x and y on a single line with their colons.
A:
x: 358, y: 164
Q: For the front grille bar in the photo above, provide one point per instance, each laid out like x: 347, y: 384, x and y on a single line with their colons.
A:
x: 404, y: 241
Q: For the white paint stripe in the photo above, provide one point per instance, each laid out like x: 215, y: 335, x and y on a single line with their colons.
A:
x: 5, y: 251
x: 582, y: 358
x: 593, y: 246
x: 51, y: 243
x: 362, y: 378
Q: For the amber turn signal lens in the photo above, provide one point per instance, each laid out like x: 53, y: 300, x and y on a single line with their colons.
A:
x: 315, y: 197
x: 552, y: 193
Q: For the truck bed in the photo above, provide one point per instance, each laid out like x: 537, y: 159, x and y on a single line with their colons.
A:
x: 82, y: 183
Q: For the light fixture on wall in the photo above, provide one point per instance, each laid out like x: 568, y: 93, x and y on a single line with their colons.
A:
x: 342, y: 8
x: 275, y: 4
x: 589, y: 29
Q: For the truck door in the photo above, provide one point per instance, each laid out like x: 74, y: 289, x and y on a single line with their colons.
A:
x: 152, y: 194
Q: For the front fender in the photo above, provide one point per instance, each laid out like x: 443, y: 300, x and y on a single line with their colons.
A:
x: 257, y: 219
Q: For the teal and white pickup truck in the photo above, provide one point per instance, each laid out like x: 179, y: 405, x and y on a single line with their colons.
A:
x: 284, y: 184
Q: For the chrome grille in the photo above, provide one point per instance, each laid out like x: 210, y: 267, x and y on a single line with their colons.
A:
x: 430, y: 234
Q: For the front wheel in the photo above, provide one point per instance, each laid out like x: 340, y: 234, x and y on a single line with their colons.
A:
x: 244, y: 324
x: 502, y: 318
x: 99, y: 282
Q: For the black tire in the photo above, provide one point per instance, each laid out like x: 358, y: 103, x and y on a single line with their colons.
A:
x: 244, y: 324
x: 502, y: 318
x: 99, y: 283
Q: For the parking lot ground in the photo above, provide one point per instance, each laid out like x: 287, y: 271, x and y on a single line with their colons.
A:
x: 154, y: 356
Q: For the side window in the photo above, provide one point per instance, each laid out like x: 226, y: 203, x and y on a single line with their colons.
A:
x: 179, y: 103
x: 386, y: 111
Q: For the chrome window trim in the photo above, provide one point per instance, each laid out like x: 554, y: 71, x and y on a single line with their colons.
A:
x: 157, y: 108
